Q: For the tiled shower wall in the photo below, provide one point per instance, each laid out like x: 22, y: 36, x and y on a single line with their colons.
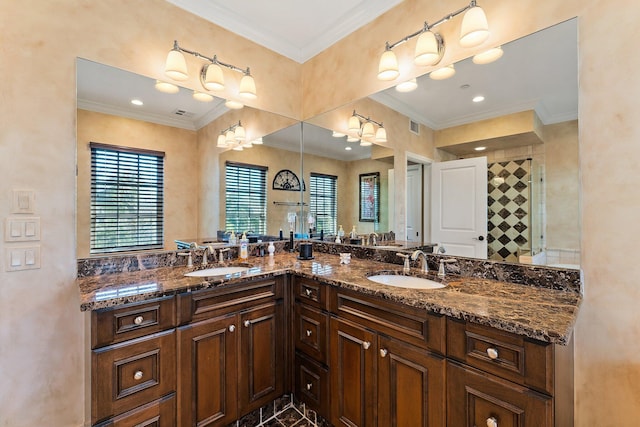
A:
x: 511, y: 209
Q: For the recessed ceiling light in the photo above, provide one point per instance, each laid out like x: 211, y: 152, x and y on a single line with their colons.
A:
x: 407, y: 86
x: 480, y: 148
x: 478, y: 98
x: 347, y: 148
x: 137, y: 102
x: 465, y: 86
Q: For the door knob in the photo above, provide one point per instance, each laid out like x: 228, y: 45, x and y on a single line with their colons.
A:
x: 138, y: 375
x: 492, y: 353
x: 366, y: 345
x: 492, y: 422
x: 383, y: 352
x: 309, y: 332
x: 138, y: 320
x: 246, y: 323
x: 232, y: 328
x: 481, y: 238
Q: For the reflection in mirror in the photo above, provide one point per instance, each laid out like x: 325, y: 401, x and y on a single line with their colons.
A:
x: 527, y: 124
x: 186, y: 132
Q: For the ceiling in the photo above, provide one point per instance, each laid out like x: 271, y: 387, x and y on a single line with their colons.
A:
x: 296, y: 29
x: 536, y: 72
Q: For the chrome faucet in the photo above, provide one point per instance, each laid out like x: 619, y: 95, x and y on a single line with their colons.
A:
x: 189, y: 260
x: 406, y: 267
x: 207, y: 249
x: 221, y: 257
x: 442, y: 270
x: 417, y: 254
x: 373, y: 239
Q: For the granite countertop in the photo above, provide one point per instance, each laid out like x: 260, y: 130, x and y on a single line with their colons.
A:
x: 540, y: 313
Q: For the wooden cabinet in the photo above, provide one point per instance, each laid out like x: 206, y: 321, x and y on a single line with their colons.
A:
x: 378, y: 375
x: 232, y: 360
x: 131, y: 369
x: 159, y: 413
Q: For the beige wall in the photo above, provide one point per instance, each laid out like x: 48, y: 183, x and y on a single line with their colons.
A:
x: 42, y: 333
x: 180, y: 189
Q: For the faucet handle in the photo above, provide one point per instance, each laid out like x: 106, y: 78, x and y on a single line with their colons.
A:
x: 189, y: 260
x: 406, y: 267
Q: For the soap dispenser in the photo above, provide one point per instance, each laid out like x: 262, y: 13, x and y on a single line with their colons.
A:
x: 353, y: 234
x: 232, y: 238
x: 244, y: 247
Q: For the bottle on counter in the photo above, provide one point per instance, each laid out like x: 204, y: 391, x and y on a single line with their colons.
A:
x: 271, y: 249
x: 244, y: 247
x: 354, y: 233
x: 341, y: 232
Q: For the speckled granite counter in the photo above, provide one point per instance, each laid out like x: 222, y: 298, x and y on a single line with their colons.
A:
x: 545, y: 314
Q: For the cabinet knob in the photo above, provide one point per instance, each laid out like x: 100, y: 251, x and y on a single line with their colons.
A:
x: 383, y: 352
x: 309, y: 332
x: 246, y: 323
x: 138, y: 375
x: 309, y: 385
x: 492, y: 353
x: 308, y: 292
x: 492, y: 422
x: 138, y: 320
x: 366, y: 345
x: 232, y: 328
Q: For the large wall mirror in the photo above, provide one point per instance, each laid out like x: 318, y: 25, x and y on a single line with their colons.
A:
x: 527, y: 124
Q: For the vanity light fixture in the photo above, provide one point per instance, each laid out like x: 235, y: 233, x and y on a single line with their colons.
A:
x: 211, y: 75
x: 361, y: 127
x: 488, y: 56
x: 234, y: 137
x: 430, y: 47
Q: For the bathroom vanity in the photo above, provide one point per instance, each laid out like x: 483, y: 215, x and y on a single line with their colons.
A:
x: 168, y: 349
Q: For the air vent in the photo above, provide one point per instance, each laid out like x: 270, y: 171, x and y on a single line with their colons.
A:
x: 414, y: 127
x: 183, y: 113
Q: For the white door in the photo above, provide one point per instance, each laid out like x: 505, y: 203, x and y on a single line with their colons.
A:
x: 414, y: 203
x: 459, y: 206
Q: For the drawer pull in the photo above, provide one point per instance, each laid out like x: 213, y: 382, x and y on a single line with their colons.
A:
x: 138, y: 375
x: 492, y: 422
x: 309, y: 385
x: 383, y: 352
x: 492, y: 353
x: 366, y: 345
x: 138, y: 320
x: 232, y: 328
x: 309, y: 332
x: 308, y: 292
x: 246, y: 323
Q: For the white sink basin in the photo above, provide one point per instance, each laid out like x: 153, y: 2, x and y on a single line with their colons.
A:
x: 218, y: 271
x: 405, y: 281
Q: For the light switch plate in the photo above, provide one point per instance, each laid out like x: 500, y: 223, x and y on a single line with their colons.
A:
x: 22, y: 229
x: 23, y: 201
x: 23, y: 258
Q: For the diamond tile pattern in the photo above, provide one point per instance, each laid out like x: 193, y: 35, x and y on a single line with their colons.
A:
x: 508, y: 197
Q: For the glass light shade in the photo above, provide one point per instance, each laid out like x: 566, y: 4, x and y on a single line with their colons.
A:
x: 222, y: 141
x: 166, y: 87
x: 202, y: 97
x: 488, y: 56
x: 337, y: 134
x: 353, y: 139
x: 230, y: 137
x: 381, y: 134
x: 367, y: 130
x: 443, y: 73
x: 364, y: 143
x: 429, y: 49
x: 233, y: 105
x: 248, y: 87
x: 176, y: 66
x: 388, y: 67
x: 354, y: 124
x: 240, y: 134
x: 257, y: 141
x: 475, y: 29
x: 211, y: 77
x: 407, y: 86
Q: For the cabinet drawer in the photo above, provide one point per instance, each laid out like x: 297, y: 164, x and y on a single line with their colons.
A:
x: 409, y: 324
x: 312, y: 384
x: 310, y: 331
x: 310, y: 292
x: 131, y: 374
x: 502, y: 353
x: 112, y: 325
x: 160, y: 413
x: 210, y: 303
x: 479, y: 399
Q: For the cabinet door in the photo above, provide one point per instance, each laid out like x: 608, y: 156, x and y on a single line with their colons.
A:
x: 160, y: 413
x: 207, y: 366
x: 477, y: 399
x: 353, y: 385
x: 262, y: 344
x: 411, y: 388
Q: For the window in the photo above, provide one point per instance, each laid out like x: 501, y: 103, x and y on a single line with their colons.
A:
x: 127, y: 199
x: 246, y: 198
x: 324, y: 201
